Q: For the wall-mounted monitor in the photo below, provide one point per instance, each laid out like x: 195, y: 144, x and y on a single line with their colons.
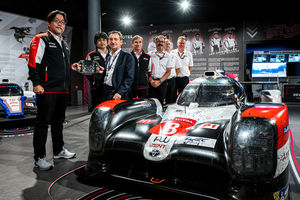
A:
x: 268, y: 70
x: 294, y: 57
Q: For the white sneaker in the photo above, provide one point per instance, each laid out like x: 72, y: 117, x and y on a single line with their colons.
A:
x: 64, y: 154
x: 43, y: 164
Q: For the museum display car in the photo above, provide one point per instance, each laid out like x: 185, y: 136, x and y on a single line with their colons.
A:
x: 14, y: 106
x: 210, y: 144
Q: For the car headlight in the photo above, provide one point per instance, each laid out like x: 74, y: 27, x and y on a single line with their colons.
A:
x: 252, y: 148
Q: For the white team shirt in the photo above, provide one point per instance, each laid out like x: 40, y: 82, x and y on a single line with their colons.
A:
x: 161, y: 61
x: 176, y: 63
x: 186, y: 60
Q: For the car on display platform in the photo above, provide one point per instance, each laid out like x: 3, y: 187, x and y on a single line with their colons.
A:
x: 211, y: 143
x: 14, y: 106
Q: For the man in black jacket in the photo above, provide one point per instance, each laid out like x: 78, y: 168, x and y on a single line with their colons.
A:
x: 119, y: 70
x: 100, y: 55
x: 49, y: 71
x: 143, y: 69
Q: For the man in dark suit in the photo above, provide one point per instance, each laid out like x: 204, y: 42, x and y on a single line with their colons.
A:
x: 119, y: 70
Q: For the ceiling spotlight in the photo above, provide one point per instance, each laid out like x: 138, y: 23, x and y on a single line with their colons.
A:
x: 185, y: 5
x: 126, y: 20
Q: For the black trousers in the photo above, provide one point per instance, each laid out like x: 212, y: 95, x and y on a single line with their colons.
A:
x: 140, y: 93
x: 159, y: 92
x: 51, y: 108
x: 171, y: 91
x: 181, y: 82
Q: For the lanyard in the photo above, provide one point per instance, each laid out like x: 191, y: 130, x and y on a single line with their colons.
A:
x: 181, y: 56
x: 160, y: 57
x: 109, y: 64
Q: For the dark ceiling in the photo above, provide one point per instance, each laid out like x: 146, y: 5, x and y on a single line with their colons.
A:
x: 158, y: 12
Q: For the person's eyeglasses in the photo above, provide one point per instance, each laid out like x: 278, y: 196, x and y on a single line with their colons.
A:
x: 59, y: 22
x: 160, y: 41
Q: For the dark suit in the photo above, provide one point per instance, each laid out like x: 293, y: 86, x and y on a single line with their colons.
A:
x: 122, y: 77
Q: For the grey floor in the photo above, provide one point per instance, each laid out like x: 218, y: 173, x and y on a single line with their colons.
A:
x: 20, y: 180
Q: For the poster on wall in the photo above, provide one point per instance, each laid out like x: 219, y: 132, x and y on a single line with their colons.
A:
x: 214, y: 46
x: 16, y: 33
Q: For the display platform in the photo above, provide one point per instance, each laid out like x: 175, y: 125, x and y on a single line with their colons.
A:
x: 20, y: 180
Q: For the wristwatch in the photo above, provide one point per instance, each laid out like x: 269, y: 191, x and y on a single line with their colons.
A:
x: 160, y: 81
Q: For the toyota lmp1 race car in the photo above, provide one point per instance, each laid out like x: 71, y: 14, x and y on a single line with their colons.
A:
x: 14, y: 106
x: 209, y: 144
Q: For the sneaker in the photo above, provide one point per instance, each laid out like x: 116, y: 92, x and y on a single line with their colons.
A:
x: 43, y: 164
x: 64, y: 154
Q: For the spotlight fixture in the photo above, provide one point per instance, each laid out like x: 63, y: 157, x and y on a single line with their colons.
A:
x: 185, y: 5
x: 126, y: 20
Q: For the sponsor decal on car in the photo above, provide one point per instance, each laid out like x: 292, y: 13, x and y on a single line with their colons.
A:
x: 286, y: 129
x: 29, y: 104
x: 282, y: 159
x: 146, y: 121
x: 158, y: 147
x: 282, y: 194
x: 209, y: 126
x: 197, y: 141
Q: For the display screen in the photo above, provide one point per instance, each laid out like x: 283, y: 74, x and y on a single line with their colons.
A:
x: 294, y: 57
x: 277, y: 58
x: 269, y: 69
x: 260, y: 58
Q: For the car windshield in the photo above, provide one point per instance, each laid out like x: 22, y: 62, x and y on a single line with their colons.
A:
x: 207, y: 95
x: 10, y: 90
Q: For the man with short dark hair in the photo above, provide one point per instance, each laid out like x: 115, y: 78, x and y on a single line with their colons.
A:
x: 49, y: 71
x: 142, y: 72
x: 119, y: 70
x: 100, y: 55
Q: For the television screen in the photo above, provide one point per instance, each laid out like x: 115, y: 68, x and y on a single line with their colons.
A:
x: 268, y: 70
x: 260, y: 58
x: 277, y: 58
x: 294, y: 57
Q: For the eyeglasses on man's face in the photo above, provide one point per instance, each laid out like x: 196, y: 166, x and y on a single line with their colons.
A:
x: 57, y: 21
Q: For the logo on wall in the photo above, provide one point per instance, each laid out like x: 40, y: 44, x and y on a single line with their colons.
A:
x: 252, y: 31
x: 21, y: 33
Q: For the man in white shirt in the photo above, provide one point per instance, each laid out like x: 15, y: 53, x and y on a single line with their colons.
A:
x: 161, y: 70
x: 215, y: 43
x: 186, y: 60
x: 176, y: 65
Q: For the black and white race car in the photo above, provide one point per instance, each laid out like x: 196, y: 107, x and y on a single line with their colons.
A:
x: 209, y: 144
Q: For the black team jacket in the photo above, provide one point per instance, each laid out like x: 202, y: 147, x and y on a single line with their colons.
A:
x: 53, y: 73
x: 141, y: 75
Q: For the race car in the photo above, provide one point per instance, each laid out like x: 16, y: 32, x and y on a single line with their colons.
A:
x: 210, y: 144
x: 13, y: 103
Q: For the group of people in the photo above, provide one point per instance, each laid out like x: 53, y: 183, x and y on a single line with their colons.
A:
x: 161, y: 73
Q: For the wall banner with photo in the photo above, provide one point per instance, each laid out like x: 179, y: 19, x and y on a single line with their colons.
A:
x: 16, y: 33
x: 214, y: 46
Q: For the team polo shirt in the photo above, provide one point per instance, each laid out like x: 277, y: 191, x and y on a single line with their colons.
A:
x: 111, y: 67
x: 176, y: 63
x: 186, y: 60
x: 161, y: 61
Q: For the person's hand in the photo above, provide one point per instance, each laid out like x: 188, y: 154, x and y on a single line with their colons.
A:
x: 76, y: 67
x: 99, y: 69
x: 117, y: 97
x: 38, y: 89
x: 155, y: 83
